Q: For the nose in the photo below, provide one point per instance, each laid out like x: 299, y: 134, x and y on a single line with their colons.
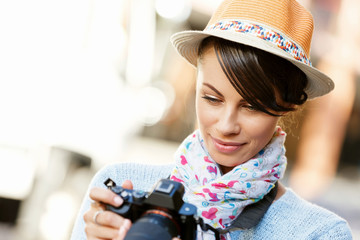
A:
x: 229, y: 123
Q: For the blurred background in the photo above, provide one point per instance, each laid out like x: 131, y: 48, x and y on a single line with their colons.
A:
x: 84, y: 83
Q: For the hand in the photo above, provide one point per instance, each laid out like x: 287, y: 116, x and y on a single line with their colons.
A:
x: 102, y: 224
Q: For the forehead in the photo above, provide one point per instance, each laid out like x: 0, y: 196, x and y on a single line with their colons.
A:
x: 210, y: 72
x: 208, y: 65
x: 207, y: 51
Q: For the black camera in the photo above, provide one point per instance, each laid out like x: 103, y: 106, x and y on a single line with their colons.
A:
x: 160, y: 214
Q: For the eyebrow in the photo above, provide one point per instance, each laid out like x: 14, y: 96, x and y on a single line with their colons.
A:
x: 213, y: 88
x: 217, y: 92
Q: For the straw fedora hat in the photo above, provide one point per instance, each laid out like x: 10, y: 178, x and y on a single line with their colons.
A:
x: 281, y: 27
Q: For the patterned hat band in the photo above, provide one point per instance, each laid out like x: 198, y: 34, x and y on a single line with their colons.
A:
x: 279, y: 40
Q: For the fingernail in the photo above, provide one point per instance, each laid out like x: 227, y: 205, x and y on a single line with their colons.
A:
x: 118, y: 200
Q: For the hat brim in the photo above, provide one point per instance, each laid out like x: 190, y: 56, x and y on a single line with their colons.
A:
x: 187, y: 44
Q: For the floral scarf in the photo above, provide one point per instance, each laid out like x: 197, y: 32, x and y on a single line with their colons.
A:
x: 220, y: 198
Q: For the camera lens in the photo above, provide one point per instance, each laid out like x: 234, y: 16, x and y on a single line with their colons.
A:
x: 154, y: 225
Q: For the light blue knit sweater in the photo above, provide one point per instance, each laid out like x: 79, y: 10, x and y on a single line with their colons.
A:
x: 290, y: 217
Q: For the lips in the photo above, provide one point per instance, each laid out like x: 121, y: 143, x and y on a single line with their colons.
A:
x: 226, y: 147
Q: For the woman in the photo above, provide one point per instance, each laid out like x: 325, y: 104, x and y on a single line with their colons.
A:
x: 253, y: 68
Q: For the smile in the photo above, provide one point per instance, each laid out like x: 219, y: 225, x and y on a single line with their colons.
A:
x: 226, y: 147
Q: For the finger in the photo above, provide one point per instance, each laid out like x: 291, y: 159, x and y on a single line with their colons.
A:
x: 97, y: 205
x: 108, y: 218
x: 96, y: 231
x: 127, y: 184
x: 94, y: 238
x: 90, y: 215
x: 105, y: 196
x: 124, y: 229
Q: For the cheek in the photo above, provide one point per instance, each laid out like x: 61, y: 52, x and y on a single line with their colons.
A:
x: 262, y: 130
x: 206, y: 116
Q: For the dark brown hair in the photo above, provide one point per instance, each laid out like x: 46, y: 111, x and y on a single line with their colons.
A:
x: 261, y: 78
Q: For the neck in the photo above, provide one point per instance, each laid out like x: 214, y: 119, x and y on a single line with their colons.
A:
x: 280, y: 192
x: 225, y: 169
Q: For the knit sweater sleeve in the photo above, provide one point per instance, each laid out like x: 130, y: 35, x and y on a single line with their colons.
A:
x: 340, y: 231
x: 143, y: 178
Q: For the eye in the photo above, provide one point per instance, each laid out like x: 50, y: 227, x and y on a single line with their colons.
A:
x: 250, y: 108
x: 211, y: 99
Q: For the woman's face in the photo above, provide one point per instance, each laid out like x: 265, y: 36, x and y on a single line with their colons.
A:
x: 233, y: 132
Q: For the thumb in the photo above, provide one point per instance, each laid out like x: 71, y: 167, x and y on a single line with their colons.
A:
x: 127, y: 184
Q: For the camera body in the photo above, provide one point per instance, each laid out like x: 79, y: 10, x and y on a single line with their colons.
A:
x: 161, y: 211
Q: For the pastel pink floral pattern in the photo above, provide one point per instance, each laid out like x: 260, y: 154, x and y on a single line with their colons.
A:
x: 221, y: 198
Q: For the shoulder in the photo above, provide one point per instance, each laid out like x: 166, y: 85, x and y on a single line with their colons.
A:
x: 293, y: 216
x: 143, y: 176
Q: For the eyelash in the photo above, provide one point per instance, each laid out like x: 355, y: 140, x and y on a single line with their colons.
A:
x: 250, y: 108
x: 214, y: 100
x: 211, y: 99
